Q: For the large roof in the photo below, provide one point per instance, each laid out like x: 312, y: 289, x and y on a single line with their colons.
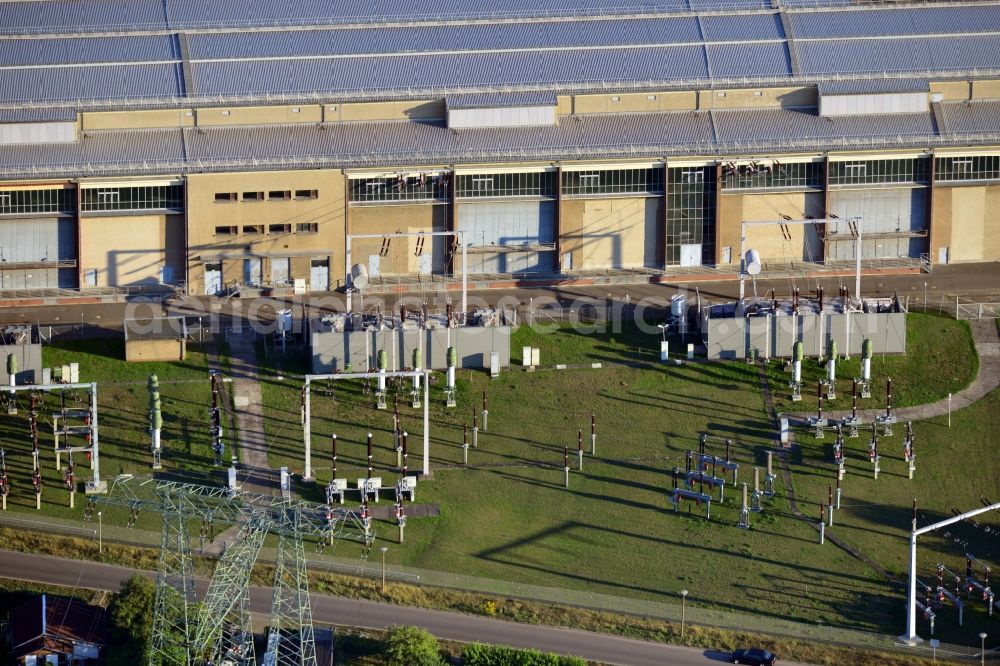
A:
x: 117, y: 53
x: 738, y: 132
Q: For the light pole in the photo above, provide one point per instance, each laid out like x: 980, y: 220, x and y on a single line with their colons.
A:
x: 100, y: 533
x: 383, y: 549
x: 982, y: 649
x: 684, y: 595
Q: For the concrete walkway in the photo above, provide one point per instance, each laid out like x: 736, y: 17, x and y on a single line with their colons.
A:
x: 987, y: 342
x: 255, y: 474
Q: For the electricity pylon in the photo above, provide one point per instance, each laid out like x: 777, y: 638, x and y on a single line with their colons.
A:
x: 222, y: 631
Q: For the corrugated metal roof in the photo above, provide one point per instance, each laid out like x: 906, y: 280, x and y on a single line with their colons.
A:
x: 735, y: 60
x: 455, y: 70
x: 70, y: 50
x: 497, y: 100
x: 882, y: 22
x: 417, y: 60
x: 971, y: 117
x: 899, y: 55
x: 742, y: 27
x: 78, y: 83
x: 873, y: 86
x: 397, y: 143
x: 347, y: 41
x: 127, y: 147
x: 258, y: 12
x: 29, y: 115
x: 76, y: 16
x: 778, y: 124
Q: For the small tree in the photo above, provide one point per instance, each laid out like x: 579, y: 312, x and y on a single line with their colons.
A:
x: 411, y: 646
x: 131, y: 612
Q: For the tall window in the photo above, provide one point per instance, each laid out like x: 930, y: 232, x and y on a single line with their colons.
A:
x: 690, y: 213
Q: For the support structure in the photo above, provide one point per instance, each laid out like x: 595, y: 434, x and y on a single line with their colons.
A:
x: 307, y: 409
x: 221, y: 632
x: 911, y: 636
x: 95, y: 485
x: 854, y: 223
x: 461, y: 245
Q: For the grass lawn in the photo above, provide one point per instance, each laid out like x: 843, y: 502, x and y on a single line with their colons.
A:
x: 940, y: 359
x: 124, y: 440
x: 956, y: 468
x: 507, y: 516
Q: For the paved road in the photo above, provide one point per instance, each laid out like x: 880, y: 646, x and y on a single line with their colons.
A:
x: 349, y: 612
x: 980, y: 281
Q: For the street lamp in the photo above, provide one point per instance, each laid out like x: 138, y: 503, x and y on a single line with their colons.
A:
x: 684, y: 595
x: 982, y: 649
x: 100, y: 533
x: 383, y: 549
x: 663, y: 330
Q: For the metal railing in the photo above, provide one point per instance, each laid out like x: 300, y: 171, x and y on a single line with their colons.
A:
x: 535, y: 153
x: 626, y: 10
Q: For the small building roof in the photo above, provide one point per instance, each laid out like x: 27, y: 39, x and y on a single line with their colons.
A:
x: 498, y: 100
x: 55, y: 623
x: 873, y: 86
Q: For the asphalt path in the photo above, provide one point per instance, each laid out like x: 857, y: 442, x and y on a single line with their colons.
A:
x: 329, y: 610
x: 975, y: 281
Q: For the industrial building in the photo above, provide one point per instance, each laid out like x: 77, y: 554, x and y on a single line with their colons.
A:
x: 244, y: 142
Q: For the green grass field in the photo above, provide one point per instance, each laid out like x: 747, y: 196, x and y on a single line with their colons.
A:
x: 123, y: 422
x: 940, y: 359
x: 508, y: 517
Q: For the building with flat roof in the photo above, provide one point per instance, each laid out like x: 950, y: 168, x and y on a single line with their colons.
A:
x: 241, y: 142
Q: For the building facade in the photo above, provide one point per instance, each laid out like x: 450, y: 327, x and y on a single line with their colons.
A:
x: 241, y: 143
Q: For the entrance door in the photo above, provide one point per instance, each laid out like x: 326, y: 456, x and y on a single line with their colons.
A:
x: 279, y: 270
x: 319, y: 274
x: 426, y: 264
x: 213, y: 279
x: 373, y: 265
x: 90, y: 277
x: 691, y: 255
x: 166, y: 274
x: 252, y: 271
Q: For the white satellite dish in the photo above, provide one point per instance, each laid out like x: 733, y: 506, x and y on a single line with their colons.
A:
x: 359, y: 276
x: 753, y: 262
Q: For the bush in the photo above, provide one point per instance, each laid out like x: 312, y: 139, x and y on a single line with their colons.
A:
x: 411, y: 646
x: 131, y: 614
x: 477, y: 654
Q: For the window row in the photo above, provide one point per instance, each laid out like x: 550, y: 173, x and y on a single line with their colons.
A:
x: 981, y: 167
x: 772, y: 174
x: 37, y: 201
x: 421, y: 187
x: 272, y: 229
x: 857, y: 172
x: 97, y: 199
x: 534, y: 184
x: 613, y: 181
x: 270, y: 195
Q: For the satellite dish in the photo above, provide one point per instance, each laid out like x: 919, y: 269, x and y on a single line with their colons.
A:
x: 359, y: 276
x: 753, y: 262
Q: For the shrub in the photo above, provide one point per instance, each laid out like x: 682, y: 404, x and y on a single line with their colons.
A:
x: 411, y: 646
x: 477, y: 654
